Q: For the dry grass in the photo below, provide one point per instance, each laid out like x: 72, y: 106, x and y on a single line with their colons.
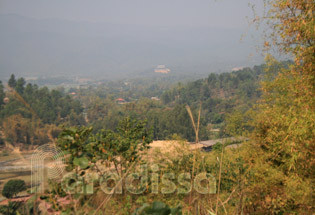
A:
x: 169, y: 148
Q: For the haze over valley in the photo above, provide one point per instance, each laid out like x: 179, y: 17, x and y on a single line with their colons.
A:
x: 53, y: 47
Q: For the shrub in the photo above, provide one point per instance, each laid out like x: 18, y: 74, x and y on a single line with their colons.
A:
x: 158, y: 208
x: 13, y: 187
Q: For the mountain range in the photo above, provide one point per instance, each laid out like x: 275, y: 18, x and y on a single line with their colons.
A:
x: 54, y: 47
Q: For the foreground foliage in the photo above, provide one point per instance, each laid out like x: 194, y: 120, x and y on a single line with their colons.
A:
x: 283, y: 157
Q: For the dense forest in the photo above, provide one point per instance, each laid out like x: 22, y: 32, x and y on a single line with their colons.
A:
x: 163, y: 108
x: 220, y: 95
x: 30, y: 114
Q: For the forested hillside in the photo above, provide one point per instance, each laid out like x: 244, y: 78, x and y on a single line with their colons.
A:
x: 30, y: 114
x: 160, y: 102
x: 219, y: 95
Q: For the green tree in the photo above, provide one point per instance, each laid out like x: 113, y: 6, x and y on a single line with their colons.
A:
x: 74, y: 141
x: 12, y: 81
x: 50, y: 106
x: 2, y: 94
x: 13, y: 187
x: 19, y: 87
x: 123, y: 147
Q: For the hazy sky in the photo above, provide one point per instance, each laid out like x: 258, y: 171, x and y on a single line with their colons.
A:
x: 127, y: 36
x: 212, y: 13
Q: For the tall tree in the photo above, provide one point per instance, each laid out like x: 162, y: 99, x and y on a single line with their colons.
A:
x: 284, y: 135
x: 20, y: 85
x: 2, y: 94
x: 12, y: 81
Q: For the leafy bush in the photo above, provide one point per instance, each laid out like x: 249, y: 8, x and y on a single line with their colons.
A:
x: 158, y: 208
x: 10, y: 209
x: 13, y: 187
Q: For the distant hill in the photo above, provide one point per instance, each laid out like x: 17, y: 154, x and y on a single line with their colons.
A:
x: 54, y: 47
